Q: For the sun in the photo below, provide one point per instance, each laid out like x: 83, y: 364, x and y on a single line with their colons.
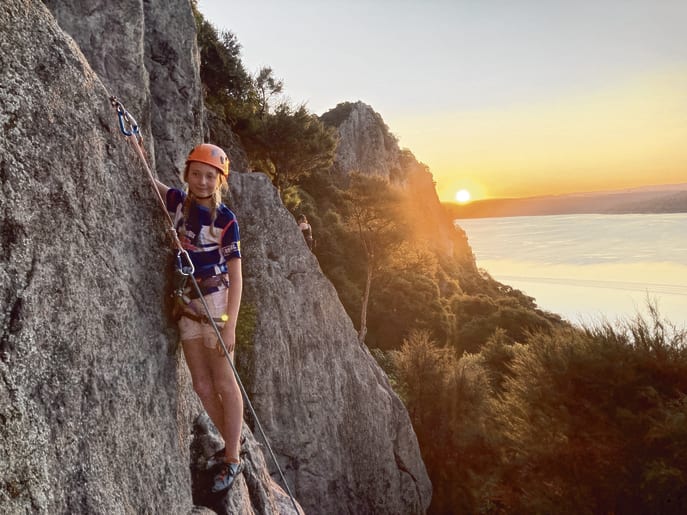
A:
x: 463, y: 196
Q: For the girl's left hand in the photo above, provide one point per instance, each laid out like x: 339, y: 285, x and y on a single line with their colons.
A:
x: 229, y: 338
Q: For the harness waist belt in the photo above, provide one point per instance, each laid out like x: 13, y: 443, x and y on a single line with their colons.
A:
x: 209, y: 285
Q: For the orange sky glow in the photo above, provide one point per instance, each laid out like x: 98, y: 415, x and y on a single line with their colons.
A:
x: 625, y: 135
x: 502, y: 99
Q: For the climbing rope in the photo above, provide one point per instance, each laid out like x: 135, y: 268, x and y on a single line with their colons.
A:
x: 129, y: 127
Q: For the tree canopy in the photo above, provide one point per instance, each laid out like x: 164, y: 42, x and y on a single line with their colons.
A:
x: 289, y: 143
x: 285, y: 141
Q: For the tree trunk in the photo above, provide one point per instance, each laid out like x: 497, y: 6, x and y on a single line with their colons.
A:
x: 363, y: 310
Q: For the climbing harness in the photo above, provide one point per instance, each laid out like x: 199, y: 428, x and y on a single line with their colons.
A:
x: 184, y: 295
x: 185, y: 269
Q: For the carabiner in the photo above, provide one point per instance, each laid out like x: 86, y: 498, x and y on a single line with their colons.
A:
x: 187, y: 270
x: 125, y: 119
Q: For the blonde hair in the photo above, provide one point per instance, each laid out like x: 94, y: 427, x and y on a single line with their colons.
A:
x: 191, y: 199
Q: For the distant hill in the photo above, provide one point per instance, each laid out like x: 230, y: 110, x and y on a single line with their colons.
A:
x: 670, y: 198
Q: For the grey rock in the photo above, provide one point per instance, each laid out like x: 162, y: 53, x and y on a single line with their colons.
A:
x: 173, y: 64
x: 219, y: 133
x: 88, y: 390
x: 145, y: 52
x: 342, y: 436
x: 96, y: 409
x: 253, y: 491
x: 366, y: 145
x: 111, y: 36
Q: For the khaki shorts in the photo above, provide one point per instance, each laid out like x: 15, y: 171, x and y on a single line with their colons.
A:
x: 192, y: 330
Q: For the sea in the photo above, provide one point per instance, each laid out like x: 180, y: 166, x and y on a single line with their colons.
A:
x: 589, y: 268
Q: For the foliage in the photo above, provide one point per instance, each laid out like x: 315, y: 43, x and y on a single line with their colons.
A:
x: 227, y: 85
x: 395, y: 307
x: 336, y: 116
x: 571, y: 421
x: 245, y: 331
x: 602, y: 402
x: 289, y: 143
x: 478, y: 316
x: 267, y: 86
x: 447, y: 399
x: 285, y: 141
x: 386, y: 361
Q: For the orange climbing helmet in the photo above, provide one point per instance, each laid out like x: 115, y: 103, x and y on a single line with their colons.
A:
x: 211, y: 155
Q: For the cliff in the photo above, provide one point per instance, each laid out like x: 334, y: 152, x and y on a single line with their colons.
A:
x: 365, y: 143
x: 96, y: 408
x: 88, y: 390
x: 367, y: 146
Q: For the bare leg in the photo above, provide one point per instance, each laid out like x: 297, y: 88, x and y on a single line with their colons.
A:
x: 199, y: 359
x: 232, y: 406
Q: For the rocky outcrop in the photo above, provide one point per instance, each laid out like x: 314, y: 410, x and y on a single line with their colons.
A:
x: 365, y: 143
x: 88, y: 388
x: 367, y: 146
x: 95, y: 407
x: 342, y: 435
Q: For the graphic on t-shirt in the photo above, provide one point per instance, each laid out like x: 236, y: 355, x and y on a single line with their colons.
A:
x: 210, y: 244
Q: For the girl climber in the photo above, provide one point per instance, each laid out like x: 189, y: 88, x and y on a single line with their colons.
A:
x: 208, y: 230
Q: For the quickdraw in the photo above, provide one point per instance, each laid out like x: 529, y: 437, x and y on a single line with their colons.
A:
x: 129, y: 127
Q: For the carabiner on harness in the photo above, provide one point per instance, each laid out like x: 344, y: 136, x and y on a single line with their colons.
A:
x: 188, y: 269
x: 183, y: 272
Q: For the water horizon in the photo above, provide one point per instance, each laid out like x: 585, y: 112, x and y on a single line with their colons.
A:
x: 589, y: 268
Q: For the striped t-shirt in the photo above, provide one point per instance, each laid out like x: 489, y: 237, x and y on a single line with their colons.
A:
x: 209, y: 253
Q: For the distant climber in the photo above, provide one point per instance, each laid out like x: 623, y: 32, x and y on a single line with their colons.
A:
x: 306, y: 229
x: 208, y: 230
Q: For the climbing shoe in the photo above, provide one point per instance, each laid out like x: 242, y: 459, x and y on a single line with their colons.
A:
x: 225, y: 477
x: 216, y: 459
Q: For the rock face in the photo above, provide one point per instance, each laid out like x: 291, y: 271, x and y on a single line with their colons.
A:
x: 367, y: 146
x: 365, y: 143
x: 145, y: 53
x: 221, y: 134
x: 88, y: 390
x: 342, y: 435
x: 95, y: 411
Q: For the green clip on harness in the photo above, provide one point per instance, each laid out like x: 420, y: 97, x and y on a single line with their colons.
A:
x: 185, y: 270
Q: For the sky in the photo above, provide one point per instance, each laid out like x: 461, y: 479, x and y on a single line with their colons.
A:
x: 500, y: 98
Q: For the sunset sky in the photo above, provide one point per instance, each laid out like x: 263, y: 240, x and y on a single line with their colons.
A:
x: 501, y: 98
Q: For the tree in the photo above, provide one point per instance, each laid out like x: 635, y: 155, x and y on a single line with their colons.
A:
x: 373, y: 214
x: 267, y: 87
x: 290, y: 143
x: 448, y: 402
x: 221, y: 70
x: 592, y: 421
